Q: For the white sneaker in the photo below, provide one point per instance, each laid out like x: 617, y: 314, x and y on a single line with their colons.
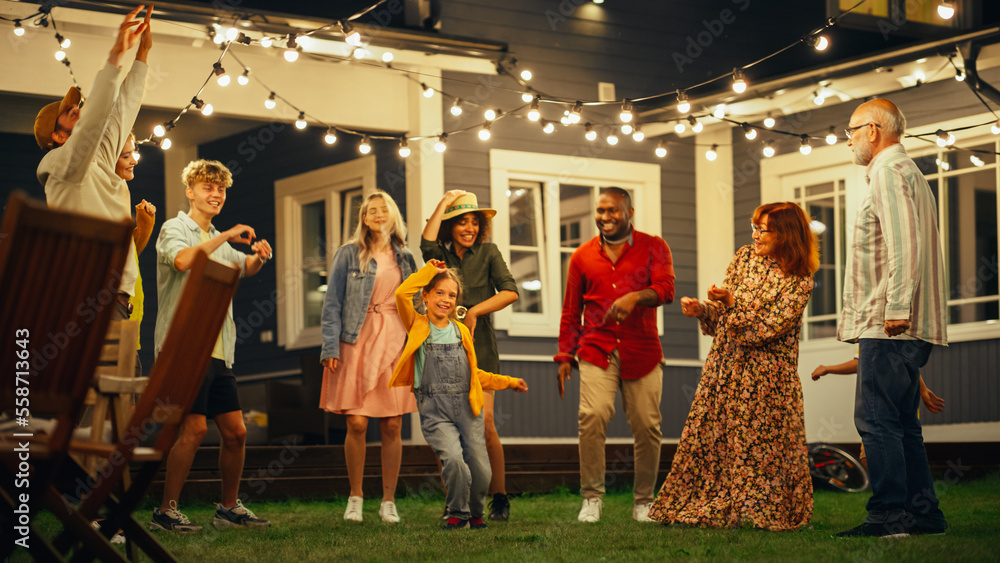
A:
x: 353, y: 512
x: 591, y: 511
x: 640, y: 512
x: 387, y: 512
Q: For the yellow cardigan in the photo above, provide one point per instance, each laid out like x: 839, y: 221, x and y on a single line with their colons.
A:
x: 418, y: 330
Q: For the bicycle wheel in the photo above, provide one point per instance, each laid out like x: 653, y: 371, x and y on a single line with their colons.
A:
x: 837, y: 468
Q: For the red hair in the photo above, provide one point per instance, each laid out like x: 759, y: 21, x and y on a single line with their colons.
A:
x: 795, y: 249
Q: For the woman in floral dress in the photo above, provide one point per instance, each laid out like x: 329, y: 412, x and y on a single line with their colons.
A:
x: 742, y: 458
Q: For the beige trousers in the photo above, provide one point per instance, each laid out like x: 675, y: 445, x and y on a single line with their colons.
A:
x: 641, y: 401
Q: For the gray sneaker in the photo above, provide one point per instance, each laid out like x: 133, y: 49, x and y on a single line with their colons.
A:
x: 238, y: 516
x: 172, y: 520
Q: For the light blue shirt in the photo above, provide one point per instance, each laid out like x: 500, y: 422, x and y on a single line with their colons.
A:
x: 447, y: 335
x: 177, y: 234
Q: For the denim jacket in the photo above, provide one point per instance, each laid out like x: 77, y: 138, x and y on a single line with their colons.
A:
x: 349, y: 291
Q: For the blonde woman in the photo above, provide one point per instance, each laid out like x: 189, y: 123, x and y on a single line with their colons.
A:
x: 362, y: 340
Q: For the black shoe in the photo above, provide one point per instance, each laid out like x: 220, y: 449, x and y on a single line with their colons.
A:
x: 867, y: 530
x: 928, y: 529
x: 499, y: 508
x: 455, y: 524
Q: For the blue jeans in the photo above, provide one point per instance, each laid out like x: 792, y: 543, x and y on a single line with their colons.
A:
x: 885, y: 414
x: 452, y: 431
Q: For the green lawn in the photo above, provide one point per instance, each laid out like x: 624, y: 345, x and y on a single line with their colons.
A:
x: 544, y: 528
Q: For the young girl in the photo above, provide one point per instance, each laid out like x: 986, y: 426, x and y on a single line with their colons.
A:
x: 362, y: 337
x: 439, y: 365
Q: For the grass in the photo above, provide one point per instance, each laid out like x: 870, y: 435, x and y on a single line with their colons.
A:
x: 544, y: 528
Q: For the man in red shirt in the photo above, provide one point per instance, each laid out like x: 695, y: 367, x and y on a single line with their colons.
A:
x: 615, y: 283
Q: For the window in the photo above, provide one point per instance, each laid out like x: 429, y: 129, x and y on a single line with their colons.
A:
x: 545, y: 209
x: 316, y: 212
x: 904, y: 16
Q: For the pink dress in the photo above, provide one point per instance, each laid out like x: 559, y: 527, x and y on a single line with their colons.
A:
x: 361, y: 384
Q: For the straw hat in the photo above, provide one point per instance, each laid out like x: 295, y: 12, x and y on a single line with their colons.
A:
x: 466, y: 204
x: 45, y: 121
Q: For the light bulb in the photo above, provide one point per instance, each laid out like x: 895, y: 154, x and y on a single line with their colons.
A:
x: 136, y: 155
x: 739, y: 82
x: 60, y: 55
x: 244, y: 78
x: 526, y: 97
x: 661, y: 150
x: 291, y: 55
x: 946, y: 9
x: 548, y: 126
x: 769, y: 121
x: 218, y: 38
x: 683, y: 105
x: 351, y: 35
x: 533, y: 113
x: 490, y: 114
x: 680, y: 128
x: 165, y: 143
x: 428, y: 91
x: 456, y: 108
x: 18, y: 30
x: 232, y: 33
x: 612, y: 137
x: 696, y: 126
x: 626, y: 114
x: 159, y: 131
x: 942, y: 138
x: 712, y: 153
x: 484, y: 133
x: 720, y: 111
x: 821, y: 42
x: 359, y: 53
x: 331, y: 136
x: 805, y: 147
x: 404, y: 149
x: 626, y: 129
x: 269, y: 103
x: 576, y: 114
x: 976, y: 161
x: 995, y: 128
x: 387, y: 57
x: 818, y: 99
x: 365, y: 146
x: 590, y: 134
x: 638, y: 135
x: 831, y: 137
x: 64, y: 42
x: 526, y: 74
x: 266, y: 42
x: 207, y: 110
x: 442, y: 143
x: 959, y: 75
x: 769, y: 149
x: 749, y: 132
x: 951, y: 140
x: 300, y: 123
x: 224, y: 80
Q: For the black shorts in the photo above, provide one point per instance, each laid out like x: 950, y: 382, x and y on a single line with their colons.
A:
x: 218, y: 391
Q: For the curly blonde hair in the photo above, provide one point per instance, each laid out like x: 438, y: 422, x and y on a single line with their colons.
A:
x: 209, y: 171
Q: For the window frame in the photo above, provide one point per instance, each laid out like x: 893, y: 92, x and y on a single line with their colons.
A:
x: 290, y: 194
x: 549, y: 171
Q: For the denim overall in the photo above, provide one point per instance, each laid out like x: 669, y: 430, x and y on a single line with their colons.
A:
x: 455, y: 435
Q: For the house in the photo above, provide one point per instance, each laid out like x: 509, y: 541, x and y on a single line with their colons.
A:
x: 299, y: 190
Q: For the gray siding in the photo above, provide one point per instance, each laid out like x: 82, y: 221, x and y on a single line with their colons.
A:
x: 965, y: 375
x: 540, y: 412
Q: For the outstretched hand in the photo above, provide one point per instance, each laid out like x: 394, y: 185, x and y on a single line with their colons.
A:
x: 129, y: 33
x: 439, y: 265
x: 691, y: 307
x: 146, y: 41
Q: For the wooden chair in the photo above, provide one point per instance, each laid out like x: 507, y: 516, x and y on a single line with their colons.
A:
x: 173, y: 385
x: 59, y: 272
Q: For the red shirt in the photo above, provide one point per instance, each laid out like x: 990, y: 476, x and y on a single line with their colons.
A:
x: 592, y: 286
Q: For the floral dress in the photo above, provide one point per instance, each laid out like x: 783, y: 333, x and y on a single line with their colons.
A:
x: 742, y: 458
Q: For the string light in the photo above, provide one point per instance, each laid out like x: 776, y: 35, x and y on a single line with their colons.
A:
x: 243, y: 39
x: 526, y: 74
x: 995, y: 128
x: 217, y: 37
x: 206, y: 109
x: 680, y: 128
x: 244, y: 78
x: 661, y: 149
x: 232, y: 33
x: 269, y: 103
x: 805, y: 147
x: 946, y: 9
x: 769, y: 149
x: 819, y: 42
x: 359, y: 53
x: 831, y: 136
x: 696, y: 126
x: 165, y: 144
x: 291, y: 49
x: 575, y: 114
x: 976, y: 161
x: 739, y: 81
x: 220, y: 72
x: 484, y: 133
x: 626, y: 129
x: 60, y: 55
x: 161, y: 130
x: 720, y: 111
x: 266, y: 42
x: 818, y: 98
x: 945, y: 139
x: 404, y: 149
x: 612, y: 137
x: 712, y: 153
x: 548, y: 127
x: 492, y: 114
x: 428, y: 91
x: 351, y: 36
x: 526, y: 97
x: 769, y: 121
x: 331, y: 136
x: 300, y: 123
x: 456, y: 108
x: 959, y: 75
x: 387, y: 57
x: 64, y: 42
x: 626, y: 114
x: 589, y: 134
x: 638, y: 135
x: 442, y: 143
x: 18, y: 30
x: 365, y: 146
x: 683, y: 105
x: 749, y: 132
x: 533, y: 113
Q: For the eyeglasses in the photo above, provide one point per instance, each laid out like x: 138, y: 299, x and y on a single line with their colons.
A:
x: 850, y: 130
x: 755, y: 228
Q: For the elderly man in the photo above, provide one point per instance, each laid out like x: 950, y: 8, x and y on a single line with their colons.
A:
x: 615, y: 283
x: 894, y: 307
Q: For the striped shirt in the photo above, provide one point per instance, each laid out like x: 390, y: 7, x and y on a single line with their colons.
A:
x: 895, y: 267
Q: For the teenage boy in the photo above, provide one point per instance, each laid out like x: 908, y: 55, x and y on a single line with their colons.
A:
x: 206, y: 183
